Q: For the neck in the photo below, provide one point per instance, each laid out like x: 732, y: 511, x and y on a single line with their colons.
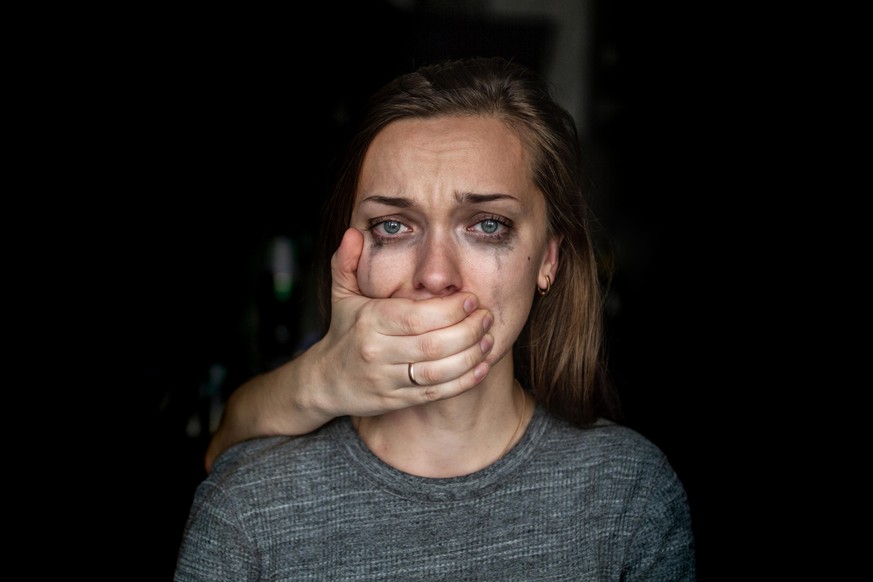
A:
x: 453, y: 437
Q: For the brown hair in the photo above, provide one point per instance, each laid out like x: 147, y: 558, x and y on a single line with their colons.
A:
x: 559, y: 355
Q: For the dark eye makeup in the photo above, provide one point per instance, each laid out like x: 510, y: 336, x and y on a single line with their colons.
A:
x: 485, y: 227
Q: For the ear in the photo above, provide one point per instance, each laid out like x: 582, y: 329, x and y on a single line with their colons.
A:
x: 549, y: 266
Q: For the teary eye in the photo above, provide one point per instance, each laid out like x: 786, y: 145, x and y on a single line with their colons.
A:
x: 391, y: 226
x: 490, y: 226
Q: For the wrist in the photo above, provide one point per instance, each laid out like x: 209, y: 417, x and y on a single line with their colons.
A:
x: 306, y: 389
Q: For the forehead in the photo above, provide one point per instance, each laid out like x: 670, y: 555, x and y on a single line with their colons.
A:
x: 465, y: 153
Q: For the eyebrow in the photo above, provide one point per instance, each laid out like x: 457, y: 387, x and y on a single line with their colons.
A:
x: 460, y: 198
x: 399, y: 202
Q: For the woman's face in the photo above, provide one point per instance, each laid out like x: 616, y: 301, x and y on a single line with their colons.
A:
x: 448, y: 205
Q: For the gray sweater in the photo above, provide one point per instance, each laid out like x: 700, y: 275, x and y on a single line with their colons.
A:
x: 564, y: 504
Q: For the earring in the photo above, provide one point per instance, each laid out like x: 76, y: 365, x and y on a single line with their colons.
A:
x: 548, y: 286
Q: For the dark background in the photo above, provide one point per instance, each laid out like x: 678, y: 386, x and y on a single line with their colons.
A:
x: 231, y: 123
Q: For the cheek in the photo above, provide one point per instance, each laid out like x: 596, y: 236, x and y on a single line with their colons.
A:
x: 381, y: 272
x: 510, y: 301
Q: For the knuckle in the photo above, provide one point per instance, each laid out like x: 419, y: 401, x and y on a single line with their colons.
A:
x: 409, y: 322
x: 474, y: 333
x: 473, y: 357
x: 429, y: 348
x: 369, y: 353
x: 424, y: 375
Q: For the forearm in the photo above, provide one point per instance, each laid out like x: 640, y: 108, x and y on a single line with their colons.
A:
x: 280, y: 402
x: 360, y: 368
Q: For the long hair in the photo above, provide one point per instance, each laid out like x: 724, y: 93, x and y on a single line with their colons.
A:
x: 560, y: 354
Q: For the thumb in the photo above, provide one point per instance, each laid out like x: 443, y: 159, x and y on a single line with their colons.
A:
x: 344, y: 265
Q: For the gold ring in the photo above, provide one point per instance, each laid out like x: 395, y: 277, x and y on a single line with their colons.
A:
x: 411, y: 371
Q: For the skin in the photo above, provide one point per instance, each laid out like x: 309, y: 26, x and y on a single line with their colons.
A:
x: 359, y: 366
x: 447, y: 206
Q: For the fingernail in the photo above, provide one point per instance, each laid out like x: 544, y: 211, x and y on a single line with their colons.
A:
x: 470, y: 304
x: 487, y: 321
x: 486, y: 343
x: 480, y: 371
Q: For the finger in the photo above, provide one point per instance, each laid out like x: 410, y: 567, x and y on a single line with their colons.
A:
x: 431, y: 393
x: 344, y: 265
x: 448, y: 369
x: 408, y: 317
x: 432, y: 345
x: 405, y: 317
x: 442, y: 343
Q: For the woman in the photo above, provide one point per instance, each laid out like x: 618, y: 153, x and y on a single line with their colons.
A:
x: 464, y: 182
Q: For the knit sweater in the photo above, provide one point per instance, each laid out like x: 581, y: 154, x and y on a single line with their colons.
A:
x: 601, y: 503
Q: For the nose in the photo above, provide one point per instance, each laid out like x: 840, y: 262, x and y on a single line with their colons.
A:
x: 438, y: 271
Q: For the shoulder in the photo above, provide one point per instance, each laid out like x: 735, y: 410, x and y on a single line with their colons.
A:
x: 270, y: 453
x: 252, y: 454
x: 630, y: 480
x: 258, y: 466
x: 605, y: 441
x: 618, y: 458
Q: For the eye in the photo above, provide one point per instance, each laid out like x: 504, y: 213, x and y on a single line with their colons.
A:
x: 491, y: 227
x: 386, y: 229
x: 391, y: 226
